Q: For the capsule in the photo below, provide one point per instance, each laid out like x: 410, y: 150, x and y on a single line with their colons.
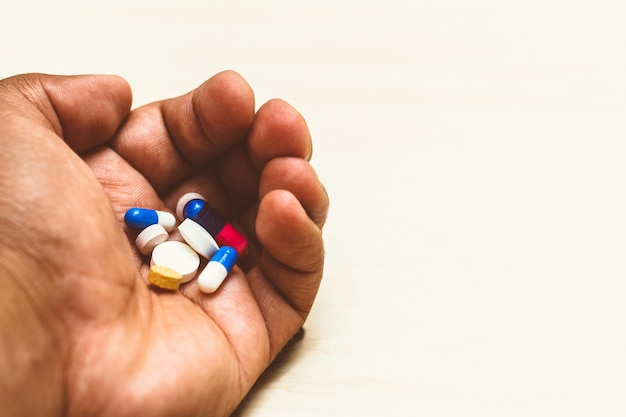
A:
x: 140, y: 218
x: 216, y: 271
x: 223, y: 232
x: 182, y: 202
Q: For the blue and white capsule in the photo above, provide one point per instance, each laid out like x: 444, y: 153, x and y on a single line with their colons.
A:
x: 218, y: 268
x: 140, y: 218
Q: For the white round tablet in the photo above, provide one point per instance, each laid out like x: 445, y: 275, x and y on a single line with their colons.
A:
x: 178, y: 256
x: 182, y: 202
x: 150, y: 237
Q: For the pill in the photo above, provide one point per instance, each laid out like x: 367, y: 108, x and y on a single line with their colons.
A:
x: 224, y: 233
x: 182, y: 202
x: 198, y: 238
x: 178, y: 256
x: 140, y: 218
x: 217, y: 269
x: 164, y: 277
x: 149, y: 237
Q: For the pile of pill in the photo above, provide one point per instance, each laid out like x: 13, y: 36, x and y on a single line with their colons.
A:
x: 205, y: 233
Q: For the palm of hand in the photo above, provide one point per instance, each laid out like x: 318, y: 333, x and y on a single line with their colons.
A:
x: 129, y: 350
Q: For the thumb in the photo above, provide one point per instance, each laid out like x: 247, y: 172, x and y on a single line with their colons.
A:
x: 84, y: 110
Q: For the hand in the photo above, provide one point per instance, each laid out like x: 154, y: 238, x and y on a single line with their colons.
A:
x: 83, y: 334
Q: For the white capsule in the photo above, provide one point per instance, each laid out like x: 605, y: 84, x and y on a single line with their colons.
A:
x: 182, y: 202
x: 216, y: 271
x: 198, y: 238
x: 150, y: 237
x: 167, y: 220
x: 177, y: 256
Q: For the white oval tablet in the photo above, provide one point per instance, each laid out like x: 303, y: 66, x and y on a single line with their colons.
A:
x: 149, y: 237
x: 177, y: 256
x: 182, y: 202
x: 198, y: 238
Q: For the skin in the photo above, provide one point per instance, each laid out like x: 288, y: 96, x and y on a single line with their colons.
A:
x: 83, y: 334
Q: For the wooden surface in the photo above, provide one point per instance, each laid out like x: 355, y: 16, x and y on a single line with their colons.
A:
x: 474, y: 155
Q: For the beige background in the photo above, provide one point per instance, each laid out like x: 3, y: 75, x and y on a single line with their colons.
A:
x: 474, y: 154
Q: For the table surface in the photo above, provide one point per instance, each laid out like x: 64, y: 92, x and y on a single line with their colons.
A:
x: 474, y: 156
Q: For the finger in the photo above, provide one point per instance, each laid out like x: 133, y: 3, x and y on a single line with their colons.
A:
x: 278, y: 130
x: 289, y: 271
x: 84, y: 110
x: 212, y: 118
x: 287, y: 232
x: 167, y: 141
x: 299, y: 178
x: 296, y: 176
